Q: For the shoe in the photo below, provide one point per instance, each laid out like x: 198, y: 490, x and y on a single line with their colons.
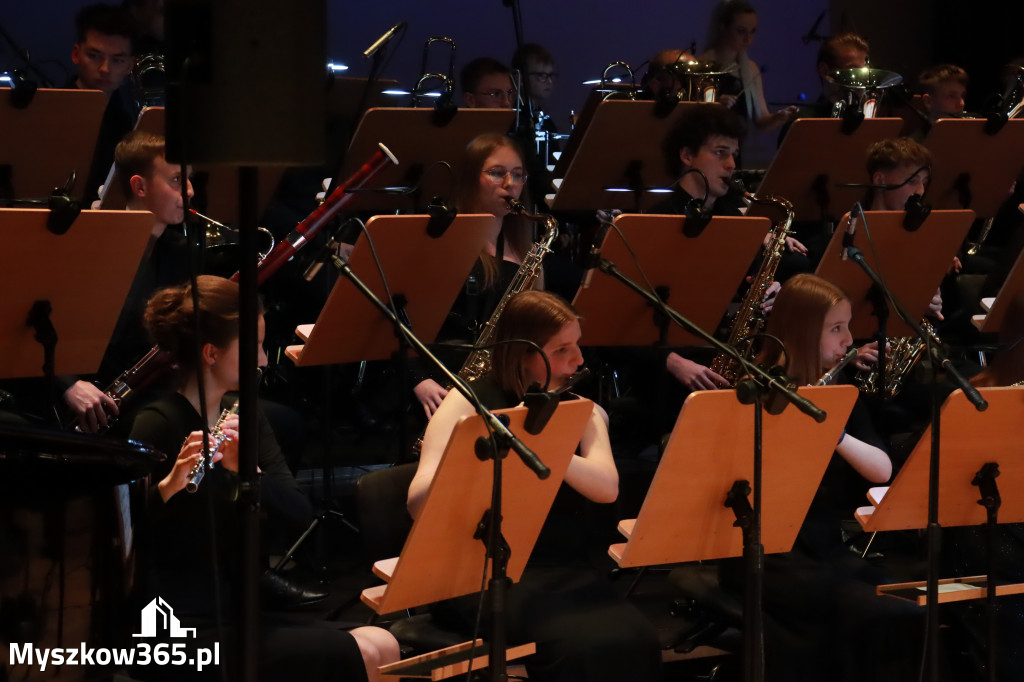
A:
x: 280, y: 593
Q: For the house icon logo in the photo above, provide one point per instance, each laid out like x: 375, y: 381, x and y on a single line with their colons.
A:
x: 158, y: 616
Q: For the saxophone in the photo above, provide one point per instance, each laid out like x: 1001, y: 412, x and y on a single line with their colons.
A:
x: 901, y: 356
x: 478, y: 362
x: 749, y: 318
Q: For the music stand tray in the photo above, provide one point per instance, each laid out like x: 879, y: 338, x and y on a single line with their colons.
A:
x: 46, y: 141
x: 700, y: 275
x: 85, y: 274
x: 410, y: 259
x: 441, y: 559
x: 684, y: 518
x: 931, y: 247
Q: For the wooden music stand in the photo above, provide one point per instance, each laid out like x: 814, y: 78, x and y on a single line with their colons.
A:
x: 969, y: 440
x: 932, y: 248
x: 419, y: 142
x: 89, y: 272
x: 441, y: 559
x: 345, y: 93
x: 426, y: 272
x: 617, y: 157
x: 450, y: 661
x: 700, y: 275
x: 816, y: 155
x: 683, y: 517
x: 46, y: 141
x: 973, y: 169
x: 997, y: 307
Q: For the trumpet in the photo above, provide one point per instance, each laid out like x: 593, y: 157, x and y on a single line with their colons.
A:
x: 419, y: 91
x: 219, y: 235
x: 217, y: 438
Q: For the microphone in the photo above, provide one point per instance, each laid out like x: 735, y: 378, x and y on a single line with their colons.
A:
x: 384, y: 39
x: 540, y: 405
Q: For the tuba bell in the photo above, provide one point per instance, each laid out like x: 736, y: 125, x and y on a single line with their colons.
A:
x: 862, y: 90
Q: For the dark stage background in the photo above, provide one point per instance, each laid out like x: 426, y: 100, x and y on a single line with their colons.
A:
x: 586, y: 35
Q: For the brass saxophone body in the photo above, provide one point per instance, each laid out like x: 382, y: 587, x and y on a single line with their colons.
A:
x: 217, y: 438
x: 479, y: 361
x: 901, y: 356
x: 749, y: 320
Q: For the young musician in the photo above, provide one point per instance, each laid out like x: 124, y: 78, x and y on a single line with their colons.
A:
x: 583, y: 632
x: 491, y: 172
x: 731, y: 34
x: 943, y: 89
x: 486, y: 84
x: 180, y: 532
x: 819, y: 598
x: 104, y: 58
x: 151, y: 184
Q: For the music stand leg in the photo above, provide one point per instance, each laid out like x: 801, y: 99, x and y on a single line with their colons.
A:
x: 985, y: 479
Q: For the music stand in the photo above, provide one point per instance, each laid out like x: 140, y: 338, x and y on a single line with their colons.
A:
x: 698, y: 275
x: 443, y: 556
x: 997, y: 307
x: 684, y: 518
x: 618, y: 158
x: 90, y: 270
x: 973, y: 169
x: 43, y: 145
x: 816, y: 155
x: 424, y: 274
x: 420, y: 140
x: 932, y: 248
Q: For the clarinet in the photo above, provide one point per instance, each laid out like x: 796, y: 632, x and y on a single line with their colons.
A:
x: 217, y: 438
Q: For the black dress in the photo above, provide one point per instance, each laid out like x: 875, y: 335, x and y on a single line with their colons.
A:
x: 584, y: 632
x: 181, y: 566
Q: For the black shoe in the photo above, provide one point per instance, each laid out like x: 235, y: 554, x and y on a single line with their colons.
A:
x: 280, y: 593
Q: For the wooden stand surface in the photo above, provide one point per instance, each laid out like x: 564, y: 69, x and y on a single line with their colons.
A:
x: 683, y: 517
x: 699, y: 274
x: 441, y: 559
x: 96, y: 260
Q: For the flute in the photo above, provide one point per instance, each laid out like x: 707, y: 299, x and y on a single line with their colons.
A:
x: 829, y: 376
x: 217, y: 438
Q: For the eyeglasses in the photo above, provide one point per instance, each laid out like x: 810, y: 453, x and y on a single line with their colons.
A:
x: 497, y: 94
x: 498, y: 175
x: 543, y: 76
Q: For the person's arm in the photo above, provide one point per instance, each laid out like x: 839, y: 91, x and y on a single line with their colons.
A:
x: 439, y: 430
x: 763, y: 118
x: 867, y: 460
x: 693, y: 375
x: 592, y: 473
